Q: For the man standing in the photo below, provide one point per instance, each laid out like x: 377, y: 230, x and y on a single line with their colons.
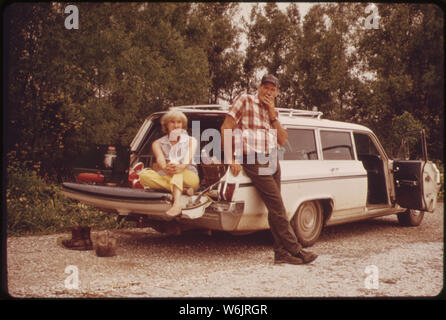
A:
x: 257, y: 116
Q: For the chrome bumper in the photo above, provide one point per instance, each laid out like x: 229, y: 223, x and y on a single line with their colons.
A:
x: 223, y: 216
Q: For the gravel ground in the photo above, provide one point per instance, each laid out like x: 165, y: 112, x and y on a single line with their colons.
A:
x: 375, y: 258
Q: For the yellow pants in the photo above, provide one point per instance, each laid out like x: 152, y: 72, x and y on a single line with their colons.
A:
x: 152, y: 179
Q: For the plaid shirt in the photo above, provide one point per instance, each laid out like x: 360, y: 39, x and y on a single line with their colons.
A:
x: 252, y: 118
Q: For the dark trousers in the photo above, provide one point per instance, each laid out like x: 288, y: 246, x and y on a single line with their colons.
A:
x: 268, y: 187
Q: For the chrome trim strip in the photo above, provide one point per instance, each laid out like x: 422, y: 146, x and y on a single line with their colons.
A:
x: 312, y: 179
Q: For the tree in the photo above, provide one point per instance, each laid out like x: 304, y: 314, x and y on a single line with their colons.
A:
x: 271, y: 36
x: 95, y: 84
x: 39, y: 111
x: 322, y: 65
x: 212, y: 29
x: 406, y: 55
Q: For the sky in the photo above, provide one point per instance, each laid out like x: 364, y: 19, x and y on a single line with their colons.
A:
x: 303, y: 7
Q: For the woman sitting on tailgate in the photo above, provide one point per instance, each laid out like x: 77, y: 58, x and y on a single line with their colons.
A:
x: 173, y: 170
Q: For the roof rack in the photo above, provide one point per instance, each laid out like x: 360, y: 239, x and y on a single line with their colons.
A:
x: 299, y: 113
x: 208, y: 107
x: 218, y: 107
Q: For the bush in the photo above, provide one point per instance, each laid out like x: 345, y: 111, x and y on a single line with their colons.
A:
x: 35, y: 207
x: 400, y: 126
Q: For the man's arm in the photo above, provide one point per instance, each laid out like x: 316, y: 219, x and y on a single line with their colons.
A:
x: 282, y: 134
x: 179, y: 167
x: 226, y: 140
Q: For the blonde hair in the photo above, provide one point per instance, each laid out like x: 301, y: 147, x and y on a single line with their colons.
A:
x: 173, y: 114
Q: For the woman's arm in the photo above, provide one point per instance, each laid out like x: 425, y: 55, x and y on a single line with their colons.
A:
x: 178, y: 168
x: 192, y: 149
x: 159, y: 155
x: 173, y: 168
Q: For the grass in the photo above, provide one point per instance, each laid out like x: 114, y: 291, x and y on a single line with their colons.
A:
x: 36, y: 207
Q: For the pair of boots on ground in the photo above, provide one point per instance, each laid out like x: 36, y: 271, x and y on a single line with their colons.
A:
x: 80, y: 239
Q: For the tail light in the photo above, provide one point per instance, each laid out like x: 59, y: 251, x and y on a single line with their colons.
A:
x: 90, y: 177
x: 228, y: 186
x: 227, y: 191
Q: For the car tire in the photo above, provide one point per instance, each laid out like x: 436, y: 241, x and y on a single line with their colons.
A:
x: 308, y: 222
x: 410, y: 218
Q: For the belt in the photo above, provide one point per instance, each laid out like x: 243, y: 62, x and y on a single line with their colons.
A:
x: 256, y: 154
x: 247, y: 158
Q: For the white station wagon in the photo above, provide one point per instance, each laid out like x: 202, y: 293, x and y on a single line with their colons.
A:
x: 332, y: 173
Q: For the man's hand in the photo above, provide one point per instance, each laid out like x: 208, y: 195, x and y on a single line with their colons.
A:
x: 235, y: 168
x: 269, y: 101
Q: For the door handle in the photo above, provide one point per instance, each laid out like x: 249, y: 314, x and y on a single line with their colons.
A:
x: 408, y: 183
x: 333, y: 170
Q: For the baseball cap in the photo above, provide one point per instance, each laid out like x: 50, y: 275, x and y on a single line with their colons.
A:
x: 271, y: 79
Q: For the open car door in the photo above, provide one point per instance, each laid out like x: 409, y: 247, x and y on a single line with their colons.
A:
x: 417, y: 180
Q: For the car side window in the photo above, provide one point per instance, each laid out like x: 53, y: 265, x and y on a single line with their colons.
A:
x: 336, y: 145
x: 364, y: 145
x: 301, y: 145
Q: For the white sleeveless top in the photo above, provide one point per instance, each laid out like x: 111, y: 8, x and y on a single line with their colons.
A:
x: 178, y: 152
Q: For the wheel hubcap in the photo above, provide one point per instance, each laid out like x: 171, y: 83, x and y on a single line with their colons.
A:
x: 308, y: 219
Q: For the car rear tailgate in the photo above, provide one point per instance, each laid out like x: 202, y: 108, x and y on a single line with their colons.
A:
x: 119, y: 199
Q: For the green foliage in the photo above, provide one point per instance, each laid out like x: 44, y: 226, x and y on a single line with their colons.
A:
x: 66, y: 88
x: 400, y: 125
x: 98, y: 83
x: 35, y: 207
x: 212, y: 29
x: 271, y: 35
x: 332, y: 62
x: 406, y: 56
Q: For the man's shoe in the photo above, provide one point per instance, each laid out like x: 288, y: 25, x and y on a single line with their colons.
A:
x: 306, y: 256
x: 288, y: 258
